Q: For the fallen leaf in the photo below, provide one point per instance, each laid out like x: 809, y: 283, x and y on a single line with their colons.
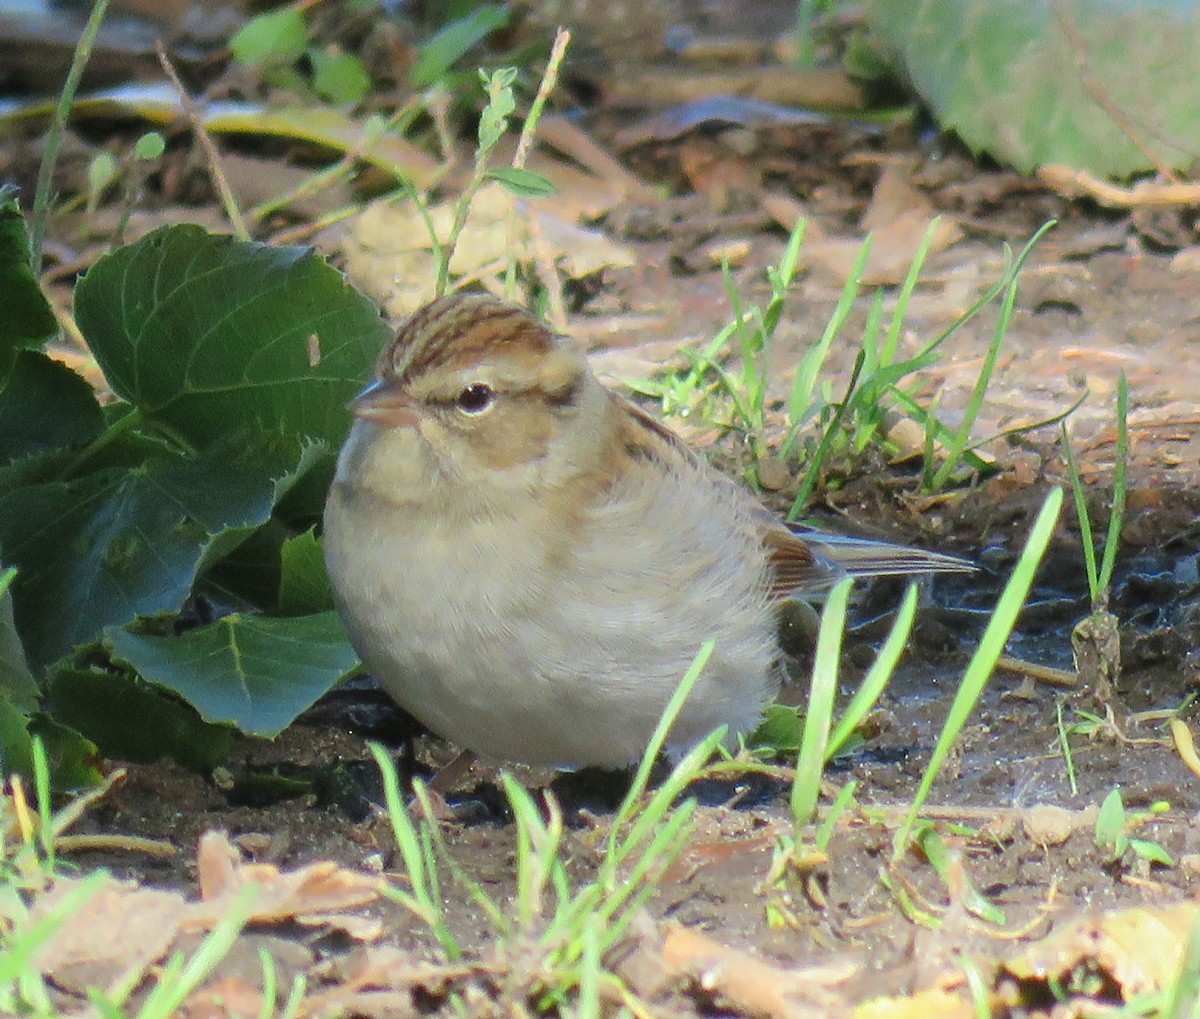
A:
x: 738, y: 981
x: 319, y: 892
x: 93, y: 948
x: 1140, y: 950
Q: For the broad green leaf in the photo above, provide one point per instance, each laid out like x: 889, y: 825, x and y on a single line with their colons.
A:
x: 18, y: 690
x: 45, y: 406
x: 251, y: 671
x: 274, y: 38
x: 122, y: 543
x: 1107, y: 86
x: 339, y: 77
x: 73, y: 758
x: 133, y: 721
x: 441, y: 52
x: 210, y: 335
x: 780, y: 730
x: 524, y: 183
x: 16, y: 747
x: 248, y: 577
x: 304, y: 583
x: 26, y: 320
x: 16, y: 681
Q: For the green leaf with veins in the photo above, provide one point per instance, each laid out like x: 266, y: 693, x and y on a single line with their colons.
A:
x: 254, y: 672
x: 119, y: 543
x: 135, y: 721
x: 1107, y: 86
x: 304, y: 583
x: 27, y: 319
x: 45, y: 406
x: 208, y: 335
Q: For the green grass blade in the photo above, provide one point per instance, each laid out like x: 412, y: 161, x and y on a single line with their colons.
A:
x: 1081, y: 512
x: 800, y: 402
x: 878, y: 676
x: 811, y: 763
x: 1184, y: 994
x: 975, y: 404
x: 839, y: 807
x: 888, y: 354
x: 991, y: 646
x: 1116, y: 518
x: 642, y: 777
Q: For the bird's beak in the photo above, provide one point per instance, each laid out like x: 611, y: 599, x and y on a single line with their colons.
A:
x: 385, y: 404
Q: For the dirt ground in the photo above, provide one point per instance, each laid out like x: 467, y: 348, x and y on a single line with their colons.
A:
x: 1104, y: 293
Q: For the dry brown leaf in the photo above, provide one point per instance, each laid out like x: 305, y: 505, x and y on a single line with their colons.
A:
x: 387, y: 252
x: 231, y: 998
x: 320, y: 890
x: 736, y: 980
x: 897, y: 218
x: 93, y: 948
x: 1140, y: 950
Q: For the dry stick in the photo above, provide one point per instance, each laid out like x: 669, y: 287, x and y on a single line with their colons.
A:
x: 1072, y: 183
x: 320, y: 180
x: 1104, y: 100
x: 206, y: 142
x: 1043, y: 673
x: 98, y: 843
x: 302, y: 231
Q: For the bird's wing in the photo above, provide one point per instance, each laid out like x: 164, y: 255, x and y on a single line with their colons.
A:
x: 809, y: 562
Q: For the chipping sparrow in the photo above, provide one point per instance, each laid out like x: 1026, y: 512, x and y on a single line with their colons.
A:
x: 528, y: 563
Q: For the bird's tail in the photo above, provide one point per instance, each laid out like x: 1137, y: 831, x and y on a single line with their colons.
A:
x: 865, y: 557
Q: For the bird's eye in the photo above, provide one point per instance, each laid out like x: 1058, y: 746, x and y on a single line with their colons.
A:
x: 475, y: 398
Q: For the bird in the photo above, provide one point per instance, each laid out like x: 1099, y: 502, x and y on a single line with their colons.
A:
x: 528, y: 562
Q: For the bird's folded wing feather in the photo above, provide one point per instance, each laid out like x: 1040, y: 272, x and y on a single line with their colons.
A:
x: 813, y: 561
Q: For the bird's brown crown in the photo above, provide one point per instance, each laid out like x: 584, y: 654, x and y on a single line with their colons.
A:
x: 462, y: 329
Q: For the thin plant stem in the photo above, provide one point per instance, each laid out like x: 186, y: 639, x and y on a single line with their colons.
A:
x: 558, y: 52
x: 524, y: 146
x: 62, y: 113
x: 220, y: 182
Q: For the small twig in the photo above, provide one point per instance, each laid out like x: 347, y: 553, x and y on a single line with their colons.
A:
x: 302, y: 231
x: 210, y: 150
x: 343, y: 168
x: 1044, y: 673
x: 115, y: 844
x: 1147, y: 194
